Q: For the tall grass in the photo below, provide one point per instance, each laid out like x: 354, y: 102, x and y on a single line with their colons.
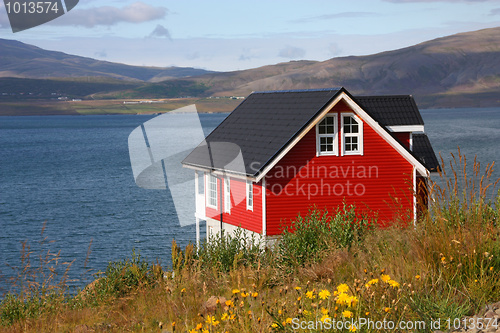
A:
x: 326, y: 265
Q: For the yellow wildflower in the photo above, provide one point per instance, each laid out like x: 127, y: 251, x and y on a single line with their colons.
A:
x: 255, y: 294
x: 417, y: 277
x: 385, y: 277
x: 232, y: 316
x: 298, y: 288
x: 373, y: 281
x: 353, y: 300
x: 386, y: 309
x: 224, y: 317
x: 244, y: 294
x: 199, y: 326
x: 393, y: 283
x: 353, y: 328
x: 205, y: 331
x: 211, y: 321
x: 343, y: 288
x: 288, y: 320
x: 324, y: 294
x: 235, y: 291
x: 310, y: 294
x: 343, y: 298
x: 274, y: 325
x: 324, y: 311
x: 299, y: 298
x: 229, y: 303
x: 193, y: 330
x: 324, y: 318
x: 305, y: 312
x: 183, y: 290
x: 347, y: 314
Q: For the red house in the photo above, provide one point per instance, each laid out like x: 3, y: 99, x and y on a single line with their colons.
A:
x: 280, y: 152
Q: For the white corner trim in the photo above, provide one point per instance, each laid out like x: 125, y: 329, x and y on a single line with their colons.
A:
x: 406, y: 128
x: 264, y: 221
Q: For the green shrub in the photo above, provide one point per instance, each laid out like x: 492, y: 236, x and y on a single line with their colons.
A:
x: 318, y: 231
x: 121, y: 277
x: 225, y: 252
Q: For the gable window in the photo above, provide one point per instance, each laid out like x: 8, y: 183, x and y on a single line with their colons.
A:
x: 352, y: 135
x: 227, y: 195
x: 211, y: 191
x: 249, y: 195
x: 326, y: 135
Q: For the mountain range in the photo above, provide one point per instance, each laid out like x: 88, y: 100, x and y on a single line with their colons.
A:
x: 461, y: 70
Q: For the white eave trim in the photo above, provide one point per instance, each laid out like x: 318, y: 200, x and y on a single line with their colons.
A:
x: 218, y: 172
x: 364, y: 117
x: 406, y: 128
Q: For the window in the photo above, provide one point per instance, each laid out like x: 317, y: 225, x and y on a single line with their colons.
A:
x: 212, y: 191
x: 327, y: 136
x: 352, y: 135
x: 227, y: 195
x: 249, y: 195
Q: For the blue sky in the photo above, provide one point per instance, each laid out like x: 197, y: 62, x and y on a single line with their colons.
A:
x: 233, y: 35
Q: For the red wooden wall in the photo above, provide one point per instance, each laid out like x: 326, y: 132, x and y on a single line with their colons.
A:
x: 373, y: 181
x: 239, y: 215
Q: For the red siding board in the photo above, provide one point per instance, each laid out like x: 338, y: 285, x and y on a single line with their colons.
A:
x: 372, y: 181
x: 239, y: 215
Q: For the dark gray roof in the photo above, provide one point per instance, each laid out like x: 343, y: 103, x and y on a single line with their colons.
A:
x: 423, y: 151
x: 265, y: 122
x: 260, y: 126
x: 391, y: 110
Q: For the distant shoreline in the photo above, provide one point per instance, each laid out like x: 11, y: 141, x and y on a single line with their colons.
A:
x: 114, y: 106
x: 121, y: 107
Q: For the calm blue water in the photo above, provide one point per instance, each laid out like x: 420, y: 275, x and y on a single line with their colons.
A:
x: 74, y: 173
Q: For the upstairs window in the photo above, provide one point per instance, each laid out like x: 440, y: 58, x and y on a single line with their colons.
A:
x: 249, y: 195
x: 326, y: 138
x: 352, y: 135
x: 227, y: 195
x: 212, y: 191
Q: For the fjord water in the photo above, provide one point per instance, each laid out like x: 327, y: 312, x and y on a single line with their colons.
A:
x: 73, y: 173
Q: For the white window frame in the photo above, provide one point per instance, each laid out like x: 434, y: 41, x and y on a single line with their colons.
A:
x: 209, y: 192
x: 227, y: 195
x: 333, y: 135
x: 249, y: 195
x: 359, y: 135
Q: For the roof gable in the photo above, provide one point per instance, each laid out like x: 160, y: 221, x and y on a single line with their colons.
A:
x: 257, y: 134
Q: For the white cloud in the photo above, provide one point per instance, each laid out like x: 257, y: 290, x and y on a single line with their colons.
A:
x: 335, y: 16
x: 101, y: 54
x: 160, y: 31
x: 292, y: 52
x: 334, y: 49
x: 137, y: 12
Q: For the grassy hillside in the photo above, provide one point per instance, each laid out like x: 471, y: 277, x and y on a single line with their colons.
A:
x: 334, y: 266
